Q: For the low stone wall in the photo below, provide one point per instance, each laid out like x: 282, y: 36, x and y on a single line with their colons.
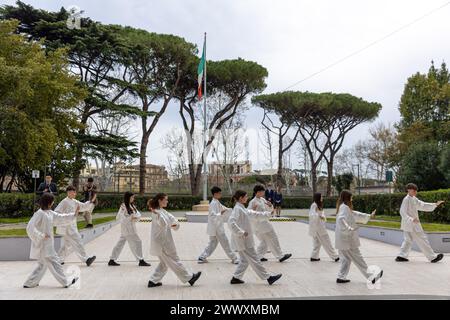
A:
x: 18, y: 248
x: 440, y: 241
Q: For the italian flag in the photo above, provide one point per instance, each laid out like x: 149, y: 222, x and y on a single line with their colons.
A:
x: 201, y: 71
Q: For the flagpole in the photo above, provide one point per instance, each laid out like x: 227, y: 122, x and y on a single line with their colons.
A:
x: 205, y: 166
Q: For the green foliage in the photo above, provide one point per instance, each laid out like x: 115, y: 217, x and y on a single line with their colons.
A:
x: 343, y: 181
x: 20, y: 205
x: 37, y: 101
x: 421, y: 166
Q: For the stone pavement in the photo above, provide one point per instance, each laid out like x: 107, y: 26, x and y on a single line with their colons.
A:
x: 301, y: 278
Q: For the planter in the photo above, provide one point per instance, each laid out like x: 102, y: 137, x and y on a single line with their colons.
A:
x: 18, y: 248
x: 439, y: 241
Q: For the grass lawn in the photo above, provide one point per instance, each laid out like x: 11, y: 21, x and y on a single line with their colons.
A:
x: 429, y: 227
x: 23, y: 233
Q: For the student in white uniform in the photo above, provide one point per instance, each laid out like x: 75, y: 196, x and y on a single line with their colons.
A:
x: 318, y: 230
x: 128, y: 215
x: 71, y: 237
x: 263, y: 229
x: 412, y: 229
x: 215, y: 228
x: 40, y: 231
x: 242, y: 240
x: 347, y: 238
x: 163, y: 246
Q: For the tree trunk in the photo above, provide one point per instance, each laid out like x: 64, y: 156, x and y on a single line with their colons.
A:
x: 142, y: 163
x: 330, y: 176
x: 195, y: 174
x: 314, y: 177
x: 280, y: 159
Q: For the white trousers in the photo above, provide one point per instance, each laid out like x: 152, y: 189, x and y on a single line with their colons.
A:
x: 250, y: 257
x: 269, y: 240
x: 422, y: 242
x: 52, y: 263
x: 323, y: 240
x: 72, y: 242
x: 88, y: 216
x: 212, y: 245
x: 135, y: 244
x: 349, y: 256
x: 173, y: 262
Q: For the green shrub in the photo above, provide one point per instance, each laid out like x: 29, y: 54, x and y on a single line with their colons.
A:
x: 21, y: 205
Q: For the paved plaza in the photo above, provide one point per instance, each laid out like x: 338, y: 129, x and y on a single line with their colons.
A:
x: 301, y: 278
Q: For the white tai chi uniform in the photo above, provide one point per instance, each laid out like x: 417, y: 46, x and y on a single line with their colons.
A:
x: 216, y: 231
x: 163, y: 247
x: 347, y: 240
x: 42, y: 249
x: 414, y: 231
x: 239, y: 223
x: 318, y: 232
x: 71, y: 237
x: 264, y: 230
x: 128, y: 233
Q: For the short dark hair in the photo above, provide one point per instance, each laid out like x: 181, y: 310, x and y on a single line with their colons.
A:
x: 215, y: 190
x: 239, y: 194
x: 154, y: 202
x: 258, y: 188
x: 91, y: 179
x: 411, y: 186
x: 70, y: 188
x: 46, y: 201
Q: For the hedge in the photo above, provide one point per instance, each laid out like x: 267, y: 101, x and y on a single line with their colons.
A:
x: 20, y: 205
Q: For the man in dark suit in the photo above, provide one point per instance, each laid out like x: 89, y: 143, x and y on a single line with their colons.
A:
x: 269, y: 193
x: 47, y: 186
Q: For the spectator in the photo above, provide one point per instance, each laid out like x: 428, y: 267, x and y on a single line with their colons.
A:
x: 47, y: 186
x: 89, y: 190
x: 268, y: 195
x: 277, y: 201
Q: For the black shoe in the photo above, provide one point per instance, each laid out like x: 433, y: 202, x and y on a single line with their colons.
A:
x: 336, y: 260
x: 27, y: 287
x: 401, y: 259
x: 272, y: 279
x: 113, y: 263
x: 236, y: 281
x: 142, y: 263
x: 315, y: 260
x: 90, y: 260
x: 285, y: 257
x: 377, y: 277
x: 90, y: 225
x: 438, y: 258
x: 72, y: 283
x: 264, y: 260
x: 62, y: 263
x: 152, y: 284
x: 342, y: 280
x: 194, y: 278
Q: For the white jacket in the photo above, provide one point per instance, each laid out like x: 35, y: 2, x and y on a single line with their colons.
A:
x: 260, y: 225
x: 162, y: 233
x: 346, y: 228
x: 239, y: 223
x: 68, y: 205
x: 316, y: 224
x: 215, y: 218
x: 127, y: 224
x: 41, y: 224
x: 410, y: 209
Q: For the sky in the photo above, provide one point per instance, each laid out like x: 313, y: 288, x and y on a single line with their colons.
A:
x: 293, y: 40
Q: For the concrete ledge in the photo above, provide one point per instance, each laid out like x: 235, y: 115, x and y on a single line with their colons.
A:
x: 197, y: 216
x: 18, y: 248
x: 439, y: 241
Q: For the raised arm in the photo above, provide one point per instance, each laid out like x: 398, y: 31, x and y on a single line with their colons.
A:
x: 232, y: 222
x: 63, y: 219
x: 361, y: 217
x: 425, y: 206
x: 34, y: 234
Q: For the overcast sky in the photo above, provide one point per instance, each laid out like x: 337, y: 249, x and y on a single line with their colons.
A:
x: 294, y: 39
